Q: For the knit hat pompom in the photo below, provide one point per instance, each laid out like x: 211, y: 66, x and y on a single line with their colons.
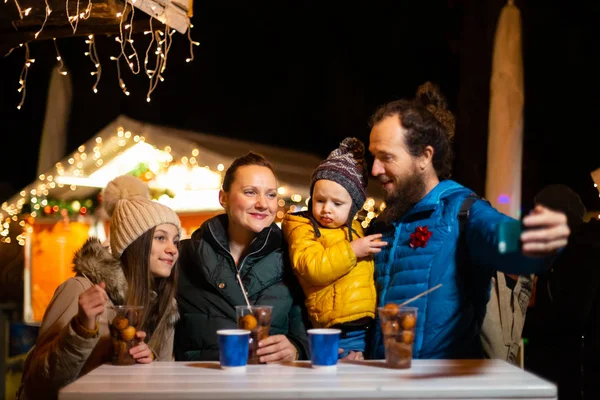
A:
x: 354, y: 146
x: 124, y: 187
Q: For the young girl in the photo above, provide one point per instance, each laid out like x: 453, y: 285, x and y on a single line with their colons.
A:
x: 74, y: 336
x: 329, y: 254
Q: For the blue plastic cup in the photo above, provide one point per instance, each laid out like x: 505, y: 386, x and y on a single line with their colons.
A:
x: 233, y: 348
x: 324, y: 344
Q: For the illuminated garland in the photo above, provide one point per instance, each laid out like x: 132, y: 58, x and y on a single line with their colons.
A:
x: 23, y: 210
x: 51, y: 207
x: 126, y: 30
x: 144, y: 172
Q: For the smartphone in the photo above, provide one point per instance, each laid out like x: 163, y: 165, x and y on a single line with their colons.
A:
x: 509, y: 237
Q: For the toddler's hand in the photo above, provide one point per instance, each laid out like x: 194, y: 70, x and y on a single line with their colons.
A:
x: 367, y: 245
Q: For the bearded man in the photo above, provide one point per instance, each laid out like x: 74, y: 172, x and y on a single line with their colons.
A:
x: 438, y: 231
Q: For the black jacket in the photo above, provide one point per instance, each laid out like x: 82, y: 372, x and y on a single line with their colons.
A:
x: 209, y: 291
x: 567, y: 307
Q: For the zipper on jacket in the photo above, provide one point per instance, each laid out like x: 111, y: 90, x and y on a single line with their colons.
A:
x: 254, y: 252
x: 239, y: 277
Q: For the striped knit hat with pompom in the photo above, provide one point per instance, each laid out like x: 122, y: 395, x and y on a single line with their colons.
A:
x: 126, y: 199
x: 346, y: 166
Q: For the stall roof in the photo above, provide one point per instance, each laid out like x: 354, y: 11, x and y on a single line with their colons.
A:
x: 96, y: 159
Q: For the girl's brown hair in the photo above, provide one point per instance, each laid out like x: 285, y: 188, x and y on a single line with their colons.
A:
x: 141, y: 285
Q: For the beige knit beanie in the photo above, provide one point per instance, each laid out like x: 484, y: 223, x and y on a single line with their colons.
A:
x: 126, y: 199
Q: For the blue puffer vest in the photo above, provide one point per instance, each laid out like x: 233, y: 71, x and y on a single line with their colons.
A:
x: 449, y: 319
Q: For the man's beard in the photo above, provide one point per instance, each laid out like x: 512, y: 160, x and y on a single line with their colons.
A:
x: 408, y: 193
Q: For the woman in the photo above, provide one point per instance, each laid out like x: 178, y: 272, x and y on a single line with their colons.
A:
x: 244, y: 240
x: 74, y: 337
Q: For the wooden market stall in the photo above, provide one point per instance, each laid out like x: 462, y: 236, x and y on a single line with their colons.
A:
x: 184, y: 169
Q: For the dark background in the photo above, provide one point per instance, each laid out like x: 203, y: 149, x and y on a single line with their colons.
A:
x: 307, y: 74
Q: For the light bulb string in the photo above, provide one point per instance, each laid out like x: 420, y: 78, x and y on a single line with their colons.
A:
x: 23, y: 77
x: 61, y: 65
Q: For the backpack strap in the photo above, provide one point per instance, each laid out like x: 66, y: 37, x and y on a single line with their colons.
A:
x: 465, y: 210
x: 473, y: 276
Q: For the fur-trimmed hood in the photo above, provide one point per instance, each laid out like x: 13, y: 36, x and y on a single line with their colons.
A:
x: 95, y: 262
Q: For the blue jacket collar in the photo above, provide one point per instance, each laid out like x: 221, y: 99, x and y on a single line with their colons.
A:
x: 432, y: 199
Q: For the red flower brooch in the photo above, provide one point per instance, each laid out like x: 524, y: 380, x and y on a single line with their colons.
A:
x: 420, y: 237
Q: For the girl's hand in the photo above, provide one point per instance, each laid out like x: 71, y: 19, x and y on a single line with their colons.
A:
x: 91, y: 304
x: 141, y: 352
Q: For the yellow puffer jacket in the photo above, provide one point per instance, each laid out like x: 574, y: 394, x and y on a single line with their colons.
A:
x: 338, y: 287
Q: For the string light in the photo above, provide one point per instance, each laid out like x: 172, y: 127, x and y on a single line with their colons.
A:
x: 88, y: 11
x: 38, y: 190
x: 130, y: 42
x: 71, y: 18
x: 161, y: 40
x: 148, y: 49
x: 48, y: 12
x: 13, y: 49
x: 74, y: 19
x: 19, y: 8
x: 93, y: 53
x: 23, y: 77
x: 155, y: 75
x: 61, y: 65
x: 169, y: 42
x: 192, y: 43
x: 125, y: 38
x: 152, y: 75
x: 120, y: 80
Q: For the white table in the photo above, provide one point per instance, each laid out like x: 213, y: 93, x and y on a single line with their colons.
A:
x: 427, y: 379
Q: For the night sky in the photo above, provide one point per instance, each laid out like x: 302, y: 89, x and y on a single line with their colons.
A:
x: 305, y: 75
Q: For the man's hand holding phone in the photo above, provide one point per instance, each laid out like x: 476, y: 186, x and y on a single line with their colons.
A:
x: 543, y: 232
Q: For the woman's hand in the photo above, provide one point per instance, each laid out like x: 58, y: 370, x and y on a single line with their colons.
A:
x: 91, y: 304
x: 276, y: 349
x: 141, y: 352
